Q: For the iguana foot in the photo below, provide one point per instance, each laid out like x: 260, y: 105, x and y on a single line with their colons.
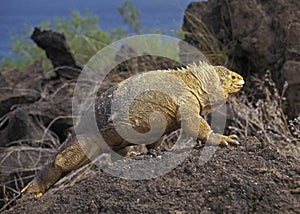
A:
x: 33, y: 188
x: 216, y: 139
x: 133, y: 154
x: 229, y: 139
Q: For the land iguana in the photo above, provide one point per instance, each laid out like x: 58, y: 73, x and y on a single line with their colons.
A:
x: 205, y: 89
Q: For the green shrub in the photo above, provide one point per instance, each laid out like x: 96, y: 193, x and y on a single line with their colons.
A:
x: 83, y: 34
x: 24, y: 51
x: 131, y: 16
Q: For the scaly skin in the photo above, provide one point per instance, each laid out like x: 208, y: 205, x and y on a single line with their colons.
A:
x: 204, y: 88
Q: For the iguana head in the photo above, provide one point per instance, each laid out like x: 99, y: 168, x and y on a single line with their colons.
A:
x: 231, y: 81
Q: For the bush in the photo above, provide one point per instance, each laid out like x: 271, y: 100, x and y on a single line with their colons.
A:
x: 83, y: 33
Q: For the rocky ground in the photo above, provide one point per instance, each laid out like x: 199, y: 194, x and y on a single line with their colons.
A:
x: 262, y: 175
x: 252, y: 37
x: 251, y: 178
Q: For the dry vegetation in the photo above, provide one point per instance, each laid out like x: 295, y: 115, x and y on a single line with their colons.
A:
x: 20, y: 162
x: 210, y: 45
x: 262, y: 117
x: 257, y: 112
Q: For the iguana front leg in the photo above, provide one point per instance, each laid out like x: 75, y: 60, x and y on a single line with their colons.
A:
x: 207, y: 134
x: 195, y: 125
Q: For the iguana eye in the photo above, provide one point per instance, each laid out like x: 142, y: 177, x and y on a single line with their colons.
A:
x: 220, y: 83
x: 232, y: 77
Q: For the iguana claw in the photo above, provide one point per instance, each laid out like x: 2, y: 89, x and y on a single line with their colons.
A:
x: 33, y: 189
x: 215, y: 139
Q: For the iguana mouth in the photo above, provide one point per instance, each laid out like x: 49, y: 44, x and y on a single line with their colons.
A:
x: 239, y: 84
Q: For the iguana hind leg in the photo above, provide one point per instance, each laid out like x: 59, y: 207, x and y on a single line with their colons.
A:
x: 43, y: 180
x: 68, y: 158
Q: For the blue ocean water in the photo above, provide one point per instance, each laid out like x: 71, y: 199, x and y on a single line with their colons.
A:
x: 165, y: 15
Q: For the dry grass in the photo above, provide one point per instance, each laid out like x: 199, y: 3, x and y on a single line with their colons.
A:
x: 261, y: 114
x: 209, y: 44
x: 20, y: 161
x: 295, y: 127
x: 262, y: 117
